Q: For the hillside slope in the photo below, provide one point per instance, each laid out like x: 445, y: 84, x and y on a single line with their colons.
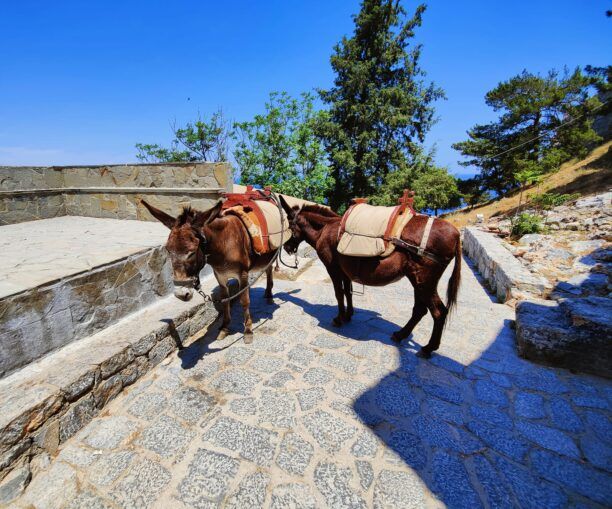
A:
x: 588, y: 176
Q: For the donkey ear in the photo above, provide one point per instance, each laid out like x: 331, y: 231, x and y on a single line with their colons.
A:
x: 286, y: 207
x: 160, y: 215
x: 209, y: 215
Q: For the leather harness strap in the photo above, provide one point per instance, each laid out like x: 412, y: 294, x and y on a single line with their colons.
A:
x: 426, y: 233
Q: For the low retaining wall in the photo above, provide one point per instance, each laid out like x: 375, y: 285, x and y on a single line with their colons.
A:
x: 45, y: 318
x: 49, y: 401
x: 112, y: 191
x: 507, y: 278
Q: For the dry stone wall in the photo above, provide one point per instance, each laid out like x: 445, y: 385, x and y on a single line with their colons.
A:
x: 112, y: 191
x: 505, y: 275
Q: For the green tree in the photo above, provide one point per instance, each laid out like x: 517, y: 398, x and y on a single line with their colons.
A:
x: 544, y: 121
x: 279, y: 148
x: 380, y: 107
x: 472, y: 191
x: 403, y: 178
x: 202, y: 140
x: 436, y: 189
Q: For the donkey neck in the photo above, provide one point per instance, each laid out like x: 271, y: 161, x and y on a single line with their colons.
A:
x: 314, y: 225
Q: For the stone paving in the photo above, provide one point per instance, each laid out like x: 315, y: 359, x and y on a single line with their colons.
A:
x: 310, y: 416
x: 38, y: 252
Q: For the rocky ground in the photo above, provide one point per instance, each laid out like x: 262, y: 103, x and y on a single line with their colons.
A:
x: 312, y: 416
x: 575, y: 253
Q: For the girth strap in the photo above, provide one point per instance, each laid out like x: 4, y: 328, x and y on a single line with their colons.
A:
x: 425, y: 238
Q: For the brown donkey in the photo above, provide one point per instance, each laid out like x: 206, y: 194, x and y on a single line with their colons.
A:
x: 319, y: 226
x: 197, y: 238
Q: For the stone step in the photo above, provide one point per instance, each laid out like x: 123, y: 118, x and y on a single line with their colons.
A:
x: 571, y: 333
x: 66, y: 278
x: 49, y: 400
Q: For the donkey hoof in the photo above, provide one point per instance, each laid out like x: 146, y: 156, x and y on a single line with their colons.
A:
x: 223, y: 333
x: 337, y: 322
x: 424, y: 354
x: 248, y: 338
x: 269, y: 300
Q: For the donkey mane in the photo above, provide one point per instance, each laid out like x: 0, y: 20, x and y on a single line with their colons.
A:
x: 190, y: 216
x: 319, y: 210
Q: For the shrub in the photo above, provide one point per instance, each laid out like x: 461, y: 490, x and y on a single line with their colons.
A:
x: 526, y: 223
x: 547, y: 201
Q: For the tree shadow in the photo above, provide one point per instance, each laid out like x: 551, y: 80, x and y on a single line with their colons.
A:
x: 473, y: 432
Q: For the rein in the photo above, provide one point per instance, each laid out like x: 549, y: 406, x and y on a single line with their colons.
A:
x: 277, y: 256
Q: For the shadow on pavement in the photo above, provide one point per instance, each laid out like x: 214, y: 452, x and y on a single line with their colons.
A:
x: 487, y: 430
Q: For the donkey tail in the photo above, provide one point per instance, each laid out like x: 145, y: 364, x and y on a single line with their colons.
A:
x: 455, y: 279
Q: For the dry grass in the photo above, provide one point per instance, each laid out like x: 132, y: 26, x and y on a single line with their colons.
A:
x: 588, y: 176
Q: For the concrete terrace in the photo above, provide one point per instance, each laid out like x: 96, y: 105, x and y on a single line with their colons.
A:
x: 310, y: 416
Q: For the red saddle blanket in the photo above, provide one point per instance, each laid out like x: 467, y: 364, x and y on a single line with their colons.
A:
x: 261, y: 217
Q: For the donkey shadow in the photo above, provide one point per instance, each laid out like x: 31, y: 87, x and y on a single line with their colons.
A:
x: 479, y: 433
x: 261, y: 311
x: 354, y: 329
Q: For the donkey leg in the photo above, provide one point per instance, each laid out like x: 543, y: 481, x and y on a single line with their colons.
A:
x: 348, y: 293
x: 269, y: 285
x: 224, y: 329
x: 245, y: 300
x: 438, y: 312
x: 339, y: 291
x: 418, y: 312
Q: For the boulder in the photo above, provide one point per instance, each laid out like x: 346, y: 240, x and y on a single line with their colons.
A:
x: 530, y: 238
x: 573, y: 333
x: 599, y: 201
x: 590, y: 283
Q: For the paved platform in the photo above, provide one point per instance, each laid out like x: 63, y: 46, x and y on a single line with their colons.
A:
x: 309, y: 416
x: 40, y: 252
x: 66, y: 278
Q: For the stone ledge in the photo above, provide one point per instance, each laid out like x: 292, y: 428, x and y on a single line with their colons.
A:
x: 503, y: 272
x: 47, y: 402
x: 571, y: 333
x: 116, y: 190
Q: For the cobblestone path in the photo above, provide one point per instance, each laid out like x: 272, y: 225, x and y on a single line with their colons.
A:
x: 309, y: 416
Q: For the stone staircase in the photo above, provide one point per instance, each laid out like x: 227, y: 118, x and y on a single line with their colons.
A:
x: 85, y: 310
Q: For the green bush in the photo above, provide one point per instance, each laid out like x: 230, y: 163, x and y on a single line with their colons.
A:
x: 526, y: 223
x: 547, y: 201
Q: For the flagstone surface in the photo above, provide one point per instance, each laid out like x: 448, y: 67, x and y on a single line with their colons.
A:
x: 312, y: 416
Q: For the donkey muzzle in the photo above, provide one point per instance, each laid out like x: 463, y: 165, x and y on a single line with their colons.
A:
x: 183, y: 288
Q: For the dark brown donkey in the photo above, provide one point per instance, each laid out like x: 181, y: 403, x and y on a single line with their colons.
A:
x: 319, y: 227
x: 197, y: 238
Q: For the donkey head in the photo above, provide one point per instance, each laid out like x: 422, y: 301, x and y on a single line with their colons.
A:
x: 297, y: 235
x: 187, y: 245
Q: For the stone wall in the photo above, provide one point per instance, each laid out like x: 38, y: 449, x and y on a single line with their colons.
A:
x: 113, y: 191
x: 48, y: 402
x: 46, y: 318
x: 507, y: 278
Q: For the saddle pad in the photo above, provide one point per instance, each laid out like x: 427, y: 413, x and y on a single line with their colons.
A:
x: 367, y: 229
x: 262, y: 220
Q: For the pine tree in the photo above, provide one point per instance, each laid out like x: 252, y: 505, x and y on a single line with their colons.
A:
x: 544, y: 121
x: 380, y: 108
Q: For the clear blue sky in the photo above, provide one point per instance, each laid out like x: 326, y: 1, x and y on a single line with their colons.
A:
x: 82, y: 82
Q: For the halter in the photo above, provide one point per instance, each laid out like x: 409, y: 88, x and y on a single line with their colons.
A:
x: 194, y: 282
